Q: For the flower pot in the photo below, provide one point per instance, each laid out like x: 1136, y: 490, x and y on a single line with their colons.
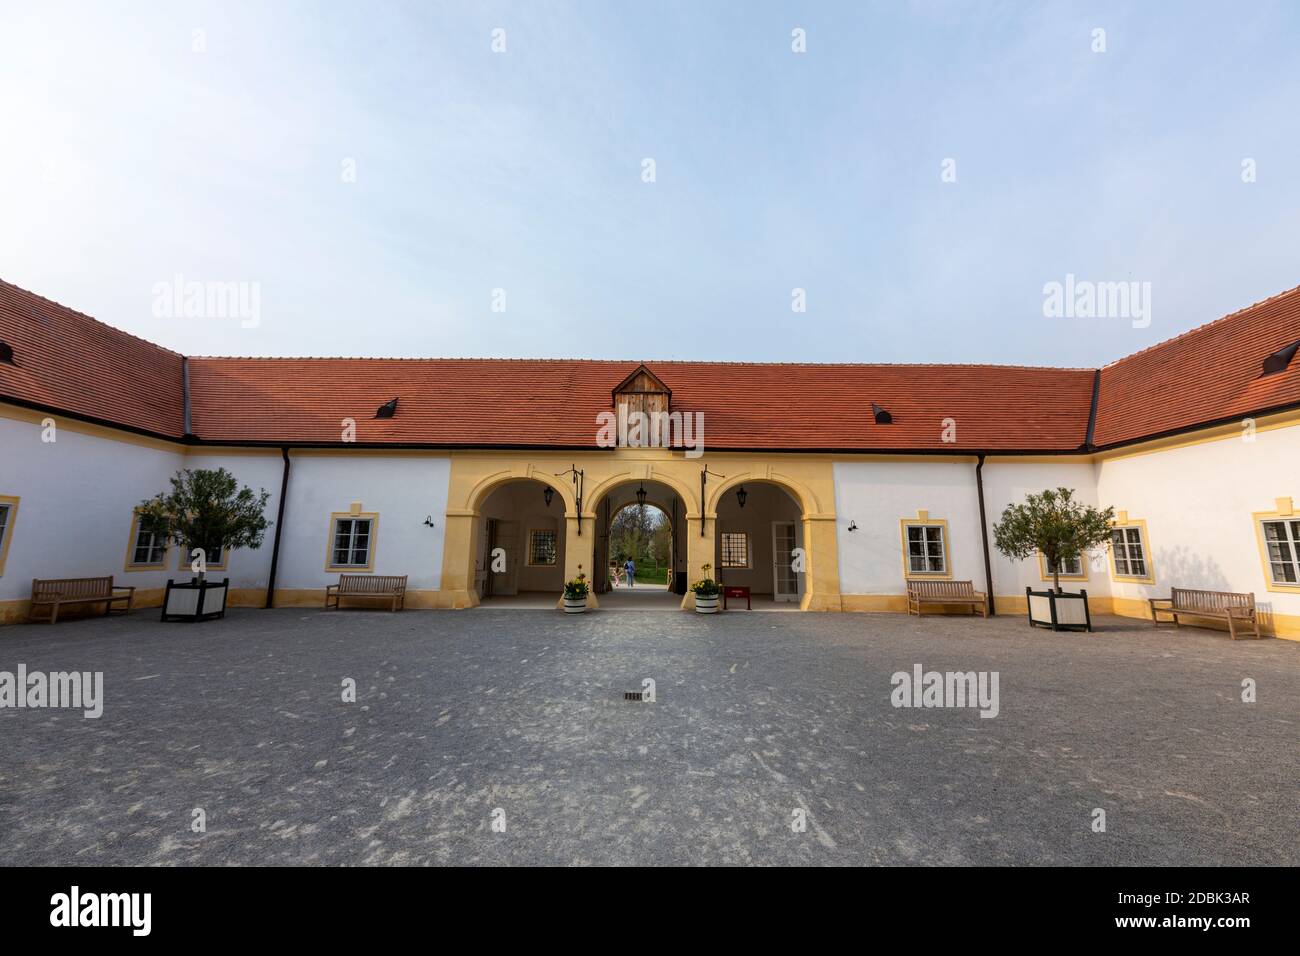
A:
x: 1060, y: 612
x: 706, y: 604
x: 575, y: 605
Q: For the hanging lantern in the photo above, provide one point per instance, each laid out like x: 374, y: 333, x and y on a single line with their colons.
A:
x: 548, y: 494
x: 741, y: 495
x: 640, y: 496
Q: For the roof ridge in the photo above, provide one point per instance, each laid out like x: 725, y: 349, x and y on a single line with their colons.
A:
x: 83, y: 315
x: 634, y: 362
x: 1203, y: 326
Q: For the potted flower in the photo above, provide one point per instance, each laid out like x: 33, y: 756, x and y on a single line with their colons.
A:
x: 1058, y: 527
x: 706, y: 592
x: 575, y: 594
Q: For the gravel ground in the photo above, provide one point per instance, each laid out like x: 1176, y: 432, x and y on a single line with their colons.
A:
x: 469, y: 717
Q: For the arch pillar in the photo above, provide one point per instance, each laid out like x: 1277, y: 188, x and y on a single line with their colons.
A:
x: 699, y: 552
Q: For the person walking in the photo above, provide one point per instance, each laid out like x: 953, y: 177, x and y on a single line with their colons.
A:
x: 630, y: 570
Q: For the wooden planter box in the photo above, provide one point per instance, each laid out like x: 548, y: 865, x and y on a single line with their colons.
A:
x: 191, y: 601
x: 1060, y: 612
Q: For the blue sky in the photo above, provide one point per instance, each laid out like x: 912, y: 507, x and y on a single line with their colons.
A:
x: 129, y: 158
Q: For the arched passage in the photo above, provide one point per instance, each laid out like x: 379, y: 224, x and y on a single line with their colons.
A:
x: 519, y: 541
x: 759, y: 540
x: 614, y: 498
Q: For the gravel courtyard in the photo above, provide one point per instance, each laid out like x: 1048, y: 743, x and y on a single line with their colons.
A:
x: 463, y: 718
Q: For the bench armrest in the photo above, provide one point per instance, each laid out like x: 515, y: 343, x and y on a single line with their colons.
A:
x: 124, y: 587
x: 1163, y: 602
x: 331, y: 587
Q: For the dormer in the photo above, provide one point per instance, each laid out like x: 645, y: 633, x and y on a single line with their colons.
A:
x: 642, y: 391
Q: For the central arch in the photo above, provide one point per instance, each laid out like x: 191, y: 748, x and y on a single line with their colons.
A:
x: 614, y: 496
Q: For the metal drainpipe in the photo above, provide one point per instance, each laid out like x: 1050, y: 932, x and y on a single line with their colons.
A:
x: 984, y: 538
x: 279, y: 527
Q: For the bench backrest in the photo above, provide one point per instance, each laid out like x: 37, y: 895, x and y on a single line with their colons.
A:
x: 1190, y: 598
x: 940, y: 589
x: 371, y: 583
x: 72, y: 588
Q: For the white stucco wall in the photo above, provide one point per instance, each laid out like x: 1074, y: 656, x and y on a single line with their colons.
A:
x: 1197, y: 501
x: 78, y: 494
x: 1008, y: 481
x: 402, y: 489
x: 876, y: 494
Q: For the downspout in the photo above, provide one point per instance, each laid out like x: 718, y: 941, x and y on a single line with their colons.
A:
x: 984, y: 538
x: 279, y: 527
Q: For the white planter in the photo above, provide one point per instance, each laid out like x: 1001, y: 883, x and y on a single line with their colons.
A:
x: 575, y: 605
x: 707, y: 605
x: 1061, y: 612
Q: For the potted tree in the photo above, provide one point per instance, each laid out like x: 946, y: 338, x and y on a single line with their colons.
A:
x: 706, y: 592
x: 207, y: 514
x: 1054, y: 524
x: 575, y: 594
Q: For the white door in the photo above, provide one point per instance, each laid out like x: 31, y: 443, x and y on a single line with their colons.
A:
x: 785, y: 582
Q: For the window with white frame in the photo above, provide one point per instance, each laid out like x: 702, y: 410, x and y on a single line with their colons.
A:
x: 215, y: 558
x: 542, y: 549
x: 1071, y: 566
x: 1282, y: 539
x: 925, y: 549
x: 353, y: 539
x: 735, y: 549
x: 1129, y: 551
x: 148, y: 549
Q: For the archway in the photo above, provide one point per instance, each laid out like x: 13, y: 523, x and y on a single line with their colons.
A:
x: 760, y: 542
x: 651, y: 590
x: 519, y: 544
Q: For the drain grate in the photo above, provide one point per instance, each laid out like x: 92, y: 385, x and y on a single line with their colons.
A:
x: 637, y: 695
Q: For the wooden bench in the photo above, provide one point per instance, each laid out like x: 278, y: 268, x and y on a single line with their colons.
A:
x: 389, y: 586
x: 921, y: 593
x: 1231, y: 606
x: 56, y: 593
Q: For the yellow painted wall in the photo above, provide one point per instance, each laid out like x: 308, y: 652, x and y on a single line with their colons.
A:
x: 808, y: 479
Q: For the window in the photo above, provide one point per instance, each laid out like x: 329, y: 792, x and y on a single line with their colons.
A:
x: 541, y: 547
x: 1129, y: 552
x: 735, y: 549
x: 353, y: 537
x: 216, y: 560
x: 1072, y: 566
x: 925, y: 549
x: 147, y: 550
x: 1282, y: 546
x: 8, y: 515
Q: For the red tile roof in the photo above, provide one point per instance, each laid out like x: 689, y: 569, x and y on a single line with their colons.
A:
x: 71, y: 363
x: 1210, y: 374
x: 481, y: 402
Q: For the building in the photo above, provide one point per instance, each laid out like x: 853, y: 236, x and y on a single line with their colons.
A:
x: 875, y: 472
